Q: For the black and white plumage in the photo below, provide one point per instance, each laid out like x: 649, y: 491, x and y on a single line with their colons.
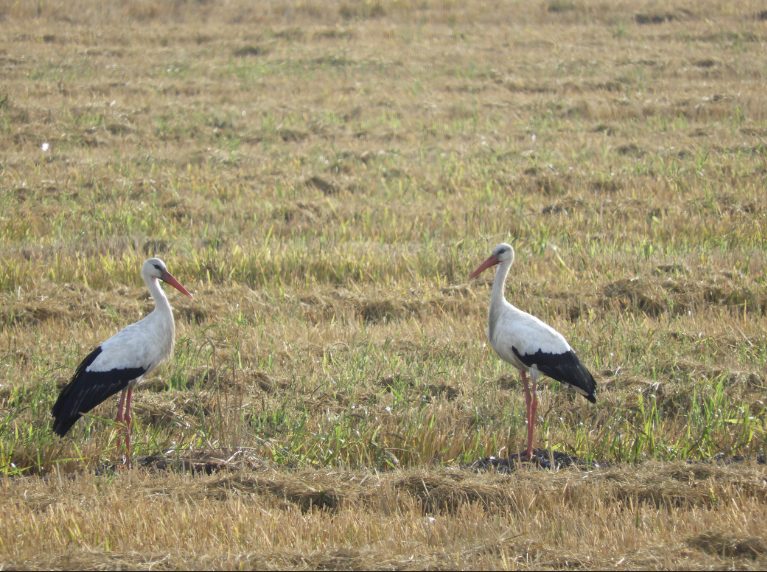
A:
x: 528, y: 343
x: 120, y: 362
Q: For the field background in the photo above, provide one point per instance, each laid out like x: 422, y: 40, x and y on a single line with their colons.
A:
x: 324, y: 176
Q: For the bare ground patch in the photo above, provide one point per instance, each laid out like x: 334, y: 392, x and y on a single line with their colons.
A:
x: 680, y: 294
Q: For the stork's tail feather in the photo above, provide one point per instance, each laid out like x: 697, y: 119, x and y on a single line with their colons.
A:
x: 67, y: 409
x: 63, y: 425
x: 86, y: 390
x: 565, y: 368
x: 582, y: 380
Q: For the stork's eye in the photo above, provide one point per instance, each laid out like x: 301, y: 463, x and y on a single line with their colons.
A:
x: 158, y: 267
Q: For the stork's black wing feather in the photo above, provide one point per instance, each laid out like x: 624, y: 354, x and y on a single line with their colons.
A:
x: 87, y: 389
x: 565, y: 368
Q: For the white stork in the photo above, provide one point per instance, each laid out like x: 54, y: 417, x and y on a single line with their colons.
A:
x: 120, y: 362
x: 529, y: 344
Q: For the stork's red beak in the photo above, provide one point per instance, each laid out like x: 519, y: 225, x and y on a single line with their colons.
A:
x: 491, y: 261
x: 168, y: 277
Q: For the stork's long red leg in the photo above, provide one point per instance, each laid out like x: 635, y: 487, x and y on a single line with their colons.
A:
x: 529, y: 411
x: 120, y: 406
x: 120, y: 419
x: 523, y: 375
x: 128, y: 425
x: 531, y: 427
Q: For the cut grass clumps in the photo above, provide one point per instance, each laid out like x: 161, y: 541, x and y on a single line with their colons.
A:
x: 729, y: 546
x: 655, y: 296
x: 323, y: 177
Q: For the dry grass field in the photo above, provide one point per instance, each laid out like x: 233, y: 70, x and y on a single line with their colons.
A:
x: 323, y: 176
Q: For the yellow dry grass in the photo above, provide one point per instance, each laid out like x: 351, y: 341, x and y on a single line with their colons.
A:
x: 657, y: 516
x: 323, y: 176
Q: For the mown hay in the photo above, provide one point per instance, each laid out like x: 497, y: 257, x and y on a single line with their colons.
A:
x: 728, y: 545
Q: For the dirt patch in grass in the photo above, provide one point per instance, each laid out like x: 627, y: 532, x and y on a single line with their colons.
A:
x: 192, y: 314
x: 427, y: 392
x: 654, y: 18
x: 307, y: 496
x: 323, y: 185
x: 656, y: 295
x: 541, y: 458
x: 728, y: 545
x: 34, y: 314
x: 374, y: 311
x: 203, y: 462
x: 383, y: 309
x: 266, y: 383
x: 448, y: 493
x: 174, y: 408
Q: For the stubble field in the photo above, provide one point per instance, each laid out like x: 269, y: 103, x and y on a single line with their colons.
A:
x: 323, y: 176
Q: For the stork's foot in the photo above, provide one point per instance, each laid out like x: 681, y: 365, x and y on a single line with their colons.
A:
x: 531, y: 455
x: 525, y: 456
x: 123, y: 464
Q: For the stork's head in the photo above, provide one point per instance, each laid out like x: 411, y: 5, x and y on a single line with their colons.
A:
x: 501, y: 254
x: 154, y: 268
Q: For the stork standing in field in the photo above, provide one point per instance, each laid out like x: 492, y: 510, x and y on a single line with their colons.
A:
x: 120, y: 362
x: 529, y: 344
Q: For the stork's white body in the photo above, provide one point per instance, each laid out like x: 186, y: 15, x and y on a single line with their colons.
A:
x: 120, y: 362
x: 144, y: 344
x: 509, y: 327
x: 528, y: 343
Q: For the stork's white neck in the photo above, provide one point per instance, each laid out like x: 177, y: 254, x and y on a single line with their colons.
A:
x: 499, y: 283
x: 498, y: 303
x: 161, y: 303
